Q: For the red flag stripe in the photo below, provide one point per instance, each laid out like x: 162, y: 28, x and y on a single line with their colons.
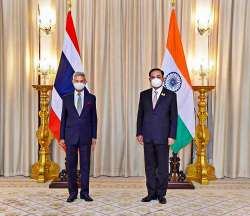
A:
x: 71, y: 31
x: 54, y: 124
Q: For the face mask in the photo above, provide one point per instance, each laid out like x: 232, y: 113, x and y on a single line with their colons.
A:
x: 79, y: 86
x: 156, y: 82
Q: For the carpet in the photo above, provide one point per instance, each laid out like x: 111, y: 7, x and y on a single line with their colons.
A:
x: 121, y: 197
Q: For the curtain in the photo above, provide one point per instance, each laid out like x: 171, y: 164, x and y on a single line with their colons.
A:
x: 18, y: 101
x: 120, y: 41
x: 1, y: 83
x: 231, y: 155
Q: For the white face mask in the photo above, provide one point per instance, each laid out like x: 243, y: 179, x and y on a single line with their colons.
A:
x: 156, y: 82
x: 79, y: 86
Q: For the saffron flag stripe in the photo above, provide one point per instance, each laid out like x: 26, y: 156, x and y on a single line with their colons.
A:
x: 174, y: 45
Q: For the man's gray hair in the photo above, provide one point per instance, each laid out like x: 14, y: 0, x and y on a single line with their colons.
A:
x: 78, y: 73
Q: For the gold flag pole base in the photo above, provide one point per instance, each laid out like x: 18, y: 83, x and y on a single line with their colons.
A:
x: 200, y: 174
x: 43, y: 173
x: 44, y: 169
x: 201, y: 171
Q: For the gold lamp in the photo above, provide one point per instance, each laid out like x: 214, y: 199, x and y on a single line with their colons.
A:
x: 44, y: 169
x: 201, y: 171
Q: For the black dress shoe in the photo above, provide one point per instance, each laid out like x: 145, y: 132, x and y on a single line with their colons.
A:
x: 162, y: 200
x: 149, y: 198
x: 86, y: 197
x: 71, y: 198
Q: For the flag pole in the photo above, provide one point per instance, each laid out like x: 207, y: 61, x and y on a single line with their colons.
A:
x: 176, y: 177
x: 63, y: 175
x: 173, y: 3
x: 69, y: 5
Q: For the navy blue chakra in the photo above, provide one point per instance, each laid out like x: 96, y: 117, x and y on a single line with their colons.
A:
x: 173, y: 81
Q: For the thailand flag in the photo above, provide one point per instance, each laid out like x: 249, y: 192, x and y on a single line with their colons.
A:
x: 70, y: 62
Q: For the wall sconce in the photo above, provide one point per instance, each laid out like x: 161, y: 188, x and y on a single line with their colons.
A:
x: 202, y: 28
x: 46, y: 19
x: 203, y: 19
x: 45, y: 66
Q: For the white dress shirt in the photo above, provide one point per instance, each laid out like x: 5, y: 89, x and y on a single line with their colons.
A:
x: 76, y: 97
x: 159, y: 90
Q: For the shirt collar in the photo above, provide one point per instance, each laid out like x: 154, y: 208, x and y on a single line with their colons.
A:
x: 159, y: 90
x: 76, y: 92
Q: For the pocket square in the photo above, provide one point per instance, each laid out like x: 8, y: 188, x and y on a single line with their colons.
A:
x: 88, y: 103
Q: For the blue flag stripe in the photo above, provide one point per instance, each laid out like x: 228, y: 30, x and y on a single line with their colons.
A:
x: 64, y: 75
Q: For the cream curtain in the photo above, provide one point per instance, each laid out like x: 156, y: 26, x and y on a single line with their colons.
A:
x: 18, y: 101
x: 231, y: 155
x: 1, y: 83
x: 120, y: 42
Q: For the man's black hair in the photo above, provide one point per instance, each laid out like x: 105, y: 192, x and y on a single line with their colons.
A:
x: 154, y: 69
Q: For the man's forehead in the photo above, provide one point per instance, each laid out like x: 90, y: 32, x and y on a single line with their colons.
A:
x: 79, y: 77
x: 156, y: 72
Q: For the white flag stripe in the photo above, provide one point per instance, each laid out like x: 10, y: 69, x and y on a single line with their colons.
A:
x: 71, y: 54
x: 56, y: 103
x: 184, y: 95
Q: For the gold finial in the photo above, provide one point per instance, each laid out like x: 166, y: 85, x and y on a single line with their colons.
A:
x: 173, y: 3
x: 69, y: 5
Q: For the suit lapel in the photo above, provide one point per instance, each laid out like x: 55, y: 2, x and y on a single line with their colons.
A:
x: 86, y: 100
x: 73, y: 103
x: 149, y: 98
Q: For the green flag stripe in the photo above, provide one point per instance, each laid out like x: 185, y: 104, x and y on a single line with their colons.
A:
x: 183, y: 136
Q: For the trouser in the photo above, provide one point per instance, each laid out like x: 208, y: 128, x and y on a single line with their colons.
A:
x: 72, y: 159
x: 156, y: 168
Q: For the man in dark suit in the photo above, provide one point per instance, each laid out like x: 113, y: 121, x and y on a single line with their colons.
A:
x: 78, y: 133
x: 156, y: 130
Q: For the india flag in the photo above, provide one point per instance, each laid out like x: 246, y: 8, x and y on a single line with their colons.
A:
x: 177, y: 79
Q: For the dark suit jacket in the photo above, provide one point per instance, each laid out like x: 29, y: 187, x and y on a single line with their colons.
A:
x: 161, y: 123
x: 78, y: 129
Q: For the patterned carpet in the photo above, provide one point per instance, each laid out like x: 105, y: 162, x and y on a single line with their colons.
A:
x: 121, y: 197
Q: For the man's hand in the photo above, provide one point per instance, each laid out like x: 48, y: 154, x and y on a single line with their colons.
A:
x: 171, y: 141
x: 62, y: 142
x: 140, y: 139
x: 93, y: 144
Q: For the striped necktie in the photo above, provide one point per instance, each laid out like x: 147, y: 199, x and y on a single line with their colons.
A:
x: 155, y: 99
x: 79, y: 103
